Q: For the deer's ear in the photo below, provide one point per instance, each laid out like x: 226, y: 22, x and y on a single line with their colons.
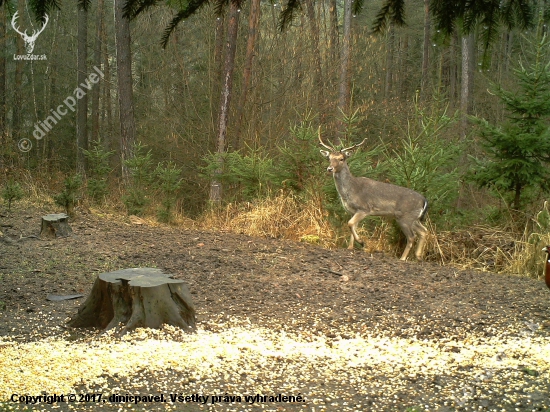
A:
x: 325, y: 153
x: 347, y: 153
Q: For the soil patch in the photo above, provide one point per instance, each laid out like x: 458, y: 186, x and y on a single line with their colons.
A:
x: 344, y: 330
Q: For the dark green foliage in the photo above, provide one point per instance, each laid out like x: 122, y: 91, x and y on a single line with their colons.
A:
x: 12, y: 192
x: 135, y: 201
x: 98, y: 159
x: 140, y: 169
x: 288, y: 13
x: 185, y: 9
x: 70, y: 194
x: 245, y: 176
x: 168, y: 181
x: 426, y: 162
x: 392, y: 11
x: 517, y: 154
x: 299, y: 163
x: 486, y: 16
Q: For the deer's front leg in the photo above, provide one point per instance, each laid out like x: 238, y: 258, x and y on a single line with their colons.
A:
x: 353, y: 222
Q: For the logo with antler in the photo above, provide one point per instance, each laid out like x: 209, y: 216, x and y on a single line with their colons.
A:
x: 29, y: 40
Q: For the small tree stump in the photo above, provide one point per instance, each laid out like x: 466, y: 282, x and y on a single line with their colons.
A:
x: 55, y: 225
x: 138, y: 297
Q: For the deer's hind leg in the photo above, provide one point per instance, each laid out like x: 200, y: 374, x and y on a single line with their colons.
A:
x: 421, y: 230
x: 406, y: 226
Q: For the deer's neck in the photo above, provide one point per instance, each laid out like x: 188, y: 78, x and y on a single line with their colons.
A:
x: 344, y: 181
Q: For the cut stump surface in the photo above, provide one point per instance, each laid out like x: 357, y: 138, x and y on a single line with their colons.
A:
x: 55, y: 225
x: 137, y: 297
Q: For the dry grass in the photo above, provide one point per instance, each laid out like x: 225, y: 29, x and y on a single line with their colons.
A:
x: 280, y: 216
x: 480, y: 247
x: 284, y: 215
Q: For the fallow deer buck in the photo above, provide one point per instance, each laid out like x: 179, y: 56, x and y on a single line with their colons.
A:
x: 364, y: 197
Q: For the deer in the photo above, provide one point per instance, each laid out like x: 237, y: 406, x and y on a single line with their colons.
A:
x: 364, y: 197
x: 29, y: 40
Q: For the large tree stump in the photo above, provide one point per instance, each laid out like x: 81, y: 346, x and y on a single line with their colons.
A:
x: 138, y: 297
x: 55, y: 225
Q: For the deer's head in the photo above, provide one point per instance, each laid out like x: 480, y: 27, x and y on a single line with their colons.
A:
x: 337, y: 158
x: 29, y: 40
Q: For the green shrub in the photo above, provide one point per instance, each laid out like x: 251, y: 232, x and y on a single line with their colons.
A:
x: 99, y: 169
x: 140, y: 170
x: 168, y: 182
x: 245, y: 176
x: 12, y: 192
x: 70, y: 194
x: 517, y: 155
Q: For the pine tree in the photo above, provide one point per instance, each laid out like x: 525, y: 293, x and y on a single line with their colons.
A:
x: 517, y: 155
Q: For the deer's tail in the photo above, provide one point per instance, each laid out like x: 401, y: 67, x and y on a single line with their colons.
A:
x: 423, y: 211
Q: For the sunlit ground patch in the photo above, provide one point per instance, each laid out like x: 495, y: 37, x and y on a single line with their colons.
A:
x: 242, y: 359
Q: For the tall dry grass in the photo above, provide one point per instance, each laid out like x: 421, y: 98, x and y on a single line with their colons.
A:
x: 285, y: 215
x: 480, y: 247
x: 281, y: 216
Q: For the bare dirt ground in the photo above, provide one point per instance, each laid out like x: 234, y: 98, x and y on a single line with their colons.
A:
x: 340, y: 330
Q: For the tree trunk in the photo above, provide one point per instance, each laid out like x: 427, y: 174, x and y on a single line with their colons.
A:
x: 426, y: 50
x: 82, y: 102
x: 453, y: 69
x: 345, y: 60
x: 138, y: 297
x: 253, y: 22
x: 334, y: 34
x: 223, y: 118
x: 402, y: 81
x: 467, y: 85
x: 318, y: 86
x: 389, y: 62
x: 106, y: 109
x: 125, y: 92
x: 18, y: 85
x: 216, y: 77
x: 466, y: 100
x: 97, y: 63
x: 3, y: 131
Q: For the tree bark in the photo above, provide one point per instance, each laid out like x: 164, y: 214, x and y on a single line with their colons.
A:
x: 138, y: 297
x: 345, y: 60
x: 216, y: 77
x: 466, y: 99
x: 125, y: 92
x: 253, y: 25
x: 82, y: 102
x: 18, y: 82
x: 426, y: 50
x: 453, y: 69
x: 223, y: 118
x: 334, y: 34
x: 106, y: 109
x: 318, y: 86
x: 97, y: 62
x: 3, y: 131
x: 467, y: 85
x: 389, y: 62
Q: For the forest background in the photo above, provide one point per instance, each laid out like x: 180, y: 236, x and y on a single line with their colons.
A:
x: 208, y: 115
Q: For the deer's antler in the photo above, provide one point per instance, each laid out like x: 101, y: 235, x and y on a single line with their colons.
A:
x: 354, y: 146
x: 321, y: 140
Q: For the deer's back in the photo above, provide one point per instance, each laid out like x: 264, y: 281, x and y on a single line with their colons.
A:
x: 379, y: 198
